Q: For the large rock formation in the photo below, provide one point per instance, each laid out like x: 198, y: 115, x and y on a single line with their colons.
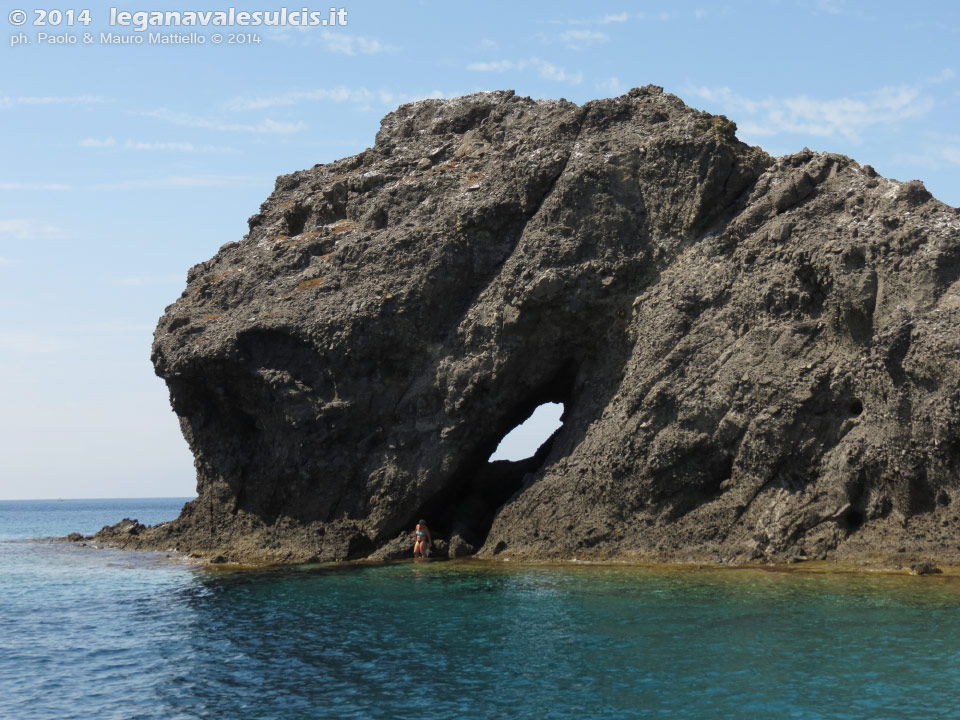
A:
x: 758, y: 357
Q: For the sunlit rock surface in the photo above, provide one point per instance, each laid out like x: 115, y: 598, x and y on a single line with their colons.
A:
x: 758, y: 357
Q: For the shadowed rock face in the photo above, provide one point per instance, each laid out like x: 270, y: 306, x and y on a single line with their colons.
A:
x: 758, y: 357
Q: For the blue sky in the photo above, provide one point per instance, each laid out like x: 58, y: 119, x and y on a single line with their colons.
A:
x: 122, y: 166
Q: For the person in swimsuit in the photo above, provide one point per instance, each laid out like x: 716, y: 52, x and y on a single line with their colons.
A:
x: 422, y: 540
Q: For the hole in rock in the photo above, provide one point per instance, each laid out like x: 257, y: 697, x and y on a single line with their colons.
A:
x: 490, y: 484
x: 856, y: 407
x: 852, y: 519
x: 526, y: 438
x: 297, y: 220
x: 508, y: 452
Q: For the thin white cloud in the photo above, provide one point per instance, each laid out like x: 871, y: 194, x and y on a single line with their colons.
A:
x: 148, y: 280
x: 337, y: 94
x: 943, y: 76
x: 34, y: 186
x: 30, y: 343
x: 547, y: 70
x: 344, y: 44
x: 937, y: 153
x: 845, y: 117
x: 617, y: 18
x: 700, y: 13
x: 154, y: 146
x: 951, y: 154
x: 364, y: 98
x: 7, y: 101
x: 611, y: 85
x: 829, y: 7
x: 172, y: 182
x: 266, y: 126
x: 582, y: 39
x: 199, y: 181
x: 335, y: 41
x: 138, y: 145
x: 187, y: 147
x: 24, y: 230
x: 496, y: 66
x: 114, y: 327
x: 603, y: 19
x: 5, y: 261
x: 932, y: 158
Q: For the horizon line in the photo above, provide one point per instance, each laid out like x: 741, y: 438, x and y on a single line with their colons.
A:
x: 61, y: 499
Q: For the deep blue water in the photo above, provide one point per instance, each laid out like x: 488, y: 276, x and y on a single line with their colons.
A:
x: 90, y: 633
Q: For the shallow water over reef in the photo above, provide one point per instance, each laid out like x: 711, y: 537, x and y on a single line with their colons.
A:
x: 109, y: 634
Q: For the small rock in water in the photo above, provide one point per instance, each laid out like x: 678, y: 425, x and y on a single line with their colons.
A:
x: 924, y: 568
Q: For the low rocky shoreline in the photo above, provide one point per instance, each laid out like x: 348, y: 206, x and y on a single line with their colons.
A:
x: 129, y: 534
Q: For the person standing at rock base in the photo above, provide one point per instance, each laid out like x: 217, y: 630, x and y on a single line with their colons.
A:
x: 422, y: 540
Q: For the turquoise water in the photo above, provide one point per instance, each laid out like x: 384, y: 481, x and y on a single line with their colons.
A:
x: 92, y: 633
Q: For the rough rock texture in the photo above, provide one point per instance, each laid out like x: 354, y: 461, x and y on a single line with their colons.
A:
x: 758, y: 357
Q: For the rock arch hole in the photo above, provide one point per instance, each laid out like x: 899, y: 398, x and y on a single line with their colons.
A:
x: 526, y: 438
x: 465, y: 512
x: 485, y: 477
x: 519, y: 452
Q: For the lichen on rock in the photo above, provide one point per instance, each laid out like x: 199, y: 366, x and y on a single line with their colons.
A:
x: 758, y: 357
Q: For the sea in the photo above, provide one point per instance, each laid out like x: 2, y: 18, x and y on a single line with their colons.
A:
x: 98, y: 633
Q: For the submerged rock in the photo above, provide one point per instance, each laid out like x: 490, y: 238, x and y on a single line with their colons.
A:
x: 758, y: 357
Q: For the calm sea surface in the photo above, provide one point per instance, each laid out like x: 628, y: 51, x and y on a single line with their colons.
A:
x: 87, y: 633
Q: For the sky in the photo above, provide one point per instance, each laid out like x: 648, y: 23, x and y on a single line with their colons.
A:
x: 122, y: 165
